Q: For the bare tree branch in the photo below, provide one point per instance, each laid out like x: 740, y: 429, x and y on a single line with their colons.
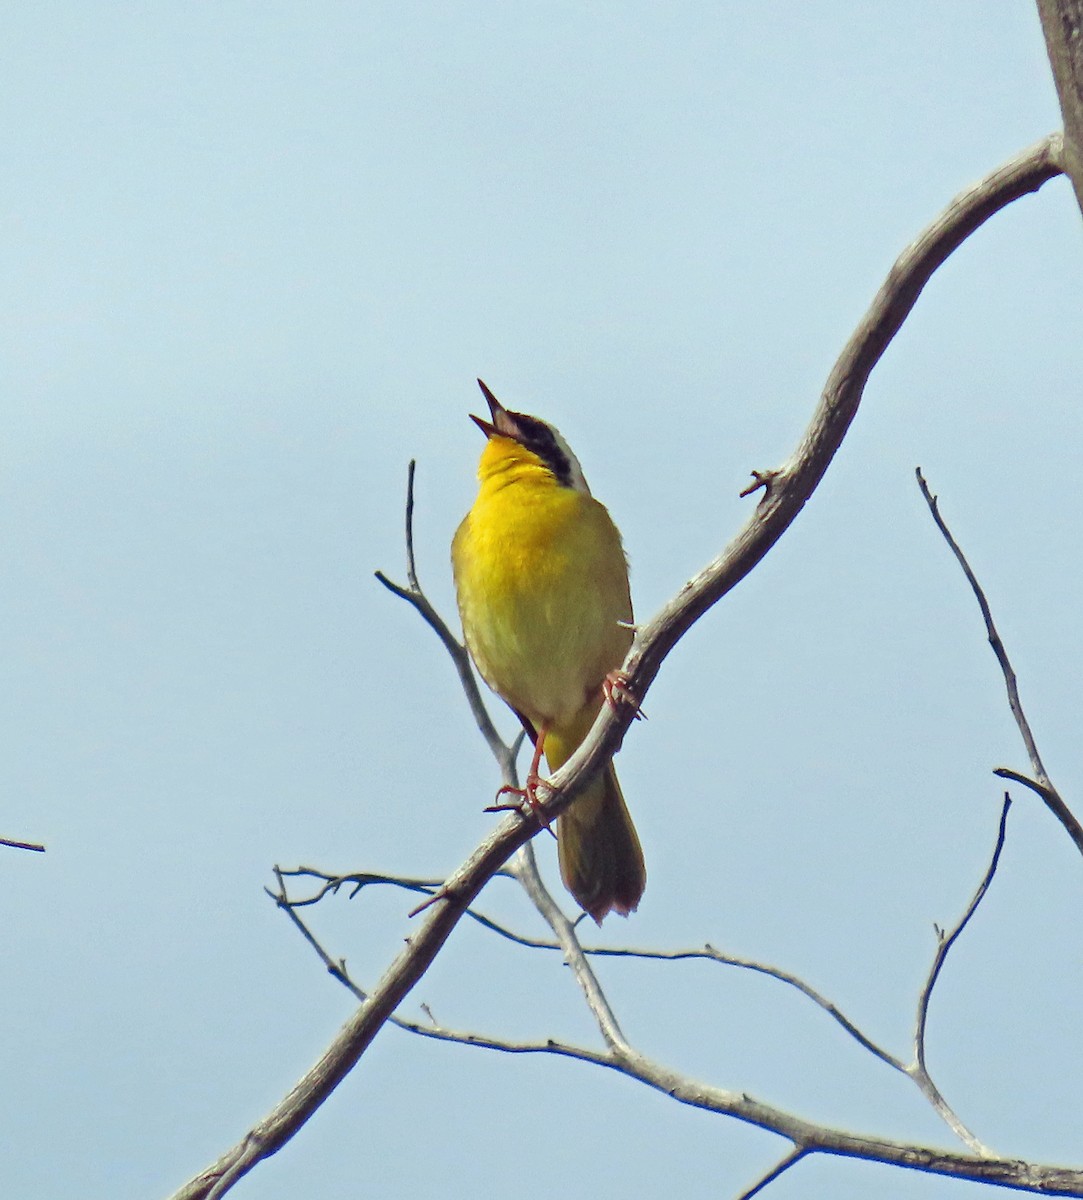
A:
x: 1016, y: 777
x: 524, y: 869
x: 789, y: 487
x: 1062, y: 24
x: 620, y: 1056
x: 357, y: 882
x: 787, y: 490
x: 781, y: 1166
x: 1042, y: 784
x: 708, y: 953
x: 413, y: 594
x: 22, y: 845
x: 918, y: 1071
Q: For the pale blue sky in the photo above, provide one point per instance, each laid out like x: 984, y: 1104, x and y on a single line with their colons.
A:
x: 252, y: 259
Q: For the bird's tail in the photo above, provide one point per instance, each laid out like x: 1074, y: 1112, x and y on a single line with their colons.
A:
x: 601, y: 861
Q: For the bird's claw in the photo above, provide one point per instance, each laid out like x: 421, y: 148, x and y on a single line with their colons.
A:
x: 528, y: 801
x: 616, y: 688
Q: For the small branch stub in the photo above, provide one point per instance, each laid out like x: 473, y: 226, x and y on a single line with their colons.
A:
x: 762, y: 479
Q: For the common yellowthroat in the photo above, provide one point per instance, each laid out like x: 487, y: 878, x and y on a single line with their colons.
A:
x: 542, y: 584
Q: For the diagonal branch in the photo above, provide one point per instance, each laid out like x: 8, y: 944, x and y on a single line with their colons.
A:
x: 526, y: 869
x: 789, y: 487
x: 783, y: 1165
x: 918, y: 1071
x: 14, y: 845
x: 1041, y: 784
x: 946, y: 940
x: 787, y: 491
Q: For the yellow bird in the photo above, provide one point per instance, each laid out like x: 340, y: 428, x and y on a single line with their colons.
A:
x: 542, y: 584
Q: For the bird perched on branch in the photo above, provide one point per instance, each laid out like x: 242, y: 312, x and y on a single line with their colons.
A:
x: 542, y: 584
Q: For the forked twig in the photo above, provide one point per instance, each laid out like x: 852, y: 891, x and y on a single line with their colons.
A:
x: 1041, y: 784
x: 918, y: 1071
x: 338, y: 970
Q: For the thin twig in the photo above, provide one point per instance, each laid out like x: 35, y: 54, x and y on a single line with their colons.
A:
x: 413, y: 595
x: 338, y: 970
x: 14, y: 845
x: 784, y: 1164
x: 918, y: 1070
x: 357, y: 881
x: 332, y: 884
x: 1041, y: 784
x: 425, y: 887
x: 525, y: 868
x: 948, y: 939
x: 1025, y: 780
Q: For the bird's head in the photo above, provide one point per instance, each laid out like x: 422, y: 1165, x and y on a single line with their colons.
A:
x: 534, y: 436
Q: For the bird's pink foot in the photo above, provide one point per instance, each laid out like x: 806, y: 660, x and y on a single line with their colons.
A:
x: 617, y: 692
x: 527, y: 798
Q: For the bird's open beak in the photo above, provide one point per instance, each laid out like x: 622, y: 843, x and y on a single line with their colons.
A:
x: 501, y: 423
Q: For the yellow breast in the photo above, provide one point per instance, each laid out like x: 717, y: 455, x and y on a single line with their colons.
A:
x: 542, y: 584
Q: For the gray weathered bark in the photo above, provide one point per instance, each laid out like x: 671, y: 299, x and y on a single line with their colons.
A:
x: 1062, y: 23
